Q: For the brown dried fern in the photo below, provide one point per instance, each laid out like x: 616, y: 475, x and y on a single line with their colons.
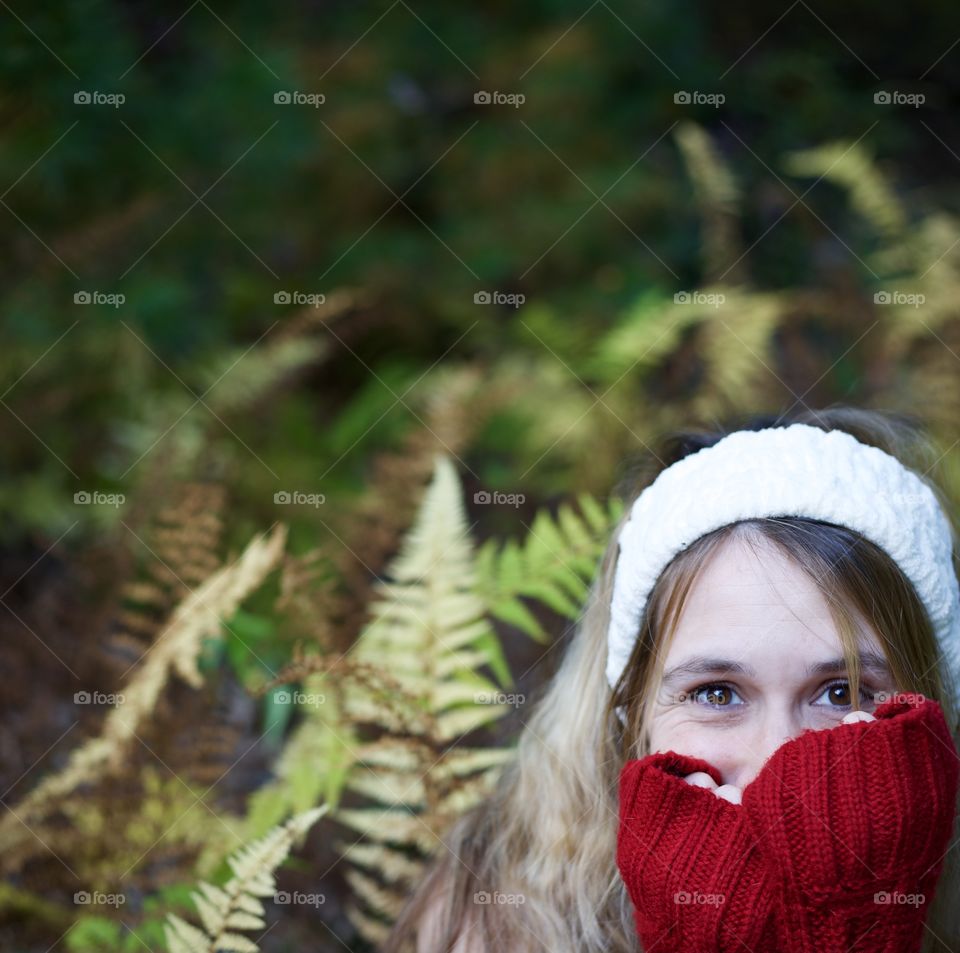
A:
x: 176, y: 651
x: 182, y: 550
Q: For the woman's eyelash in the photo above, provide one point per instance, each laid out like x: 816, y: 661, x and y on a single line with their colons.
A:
x: 691, y: 696
x: 868, y: 691
x: 865, y: 689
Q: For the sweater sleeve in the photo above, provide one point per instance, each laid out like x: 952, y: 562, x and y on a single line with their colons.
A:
x: 855, y: 822
x: 691, y: 867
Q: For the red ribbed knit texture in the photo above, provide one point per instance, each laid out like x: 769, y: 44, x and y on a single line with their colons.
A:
x: 696, y: 878
x: 836, y: 848
x: 860, y: 817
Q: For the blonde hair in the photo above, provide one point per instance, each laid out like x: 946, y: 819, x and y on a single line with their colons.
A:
x: 547, y: 833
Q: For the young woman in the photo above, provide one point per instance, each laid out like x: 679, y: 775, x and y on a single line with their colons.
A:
x: 751, y: 742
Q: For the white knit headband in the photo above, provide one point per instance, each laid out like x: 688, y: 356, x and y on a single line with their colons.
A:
x: 799, y: 470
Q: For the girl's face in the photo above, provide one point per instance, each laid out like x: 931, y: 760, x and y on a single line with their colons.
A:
x: 755, y: 660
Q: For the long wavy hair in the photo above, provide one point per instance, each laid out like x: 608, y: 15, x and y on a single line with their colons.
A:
x: 542, y: 846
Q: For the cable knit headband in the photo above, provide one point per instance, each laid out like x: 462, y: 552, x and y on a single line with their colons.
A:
x: 799, y: 470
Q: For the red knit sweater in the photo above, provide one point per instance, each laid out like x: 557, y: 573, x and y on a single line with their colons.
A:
x: 837, y: 845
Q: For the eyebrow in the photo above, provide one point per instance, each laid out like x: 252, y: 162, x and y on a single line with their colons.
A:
x: 704, y: 665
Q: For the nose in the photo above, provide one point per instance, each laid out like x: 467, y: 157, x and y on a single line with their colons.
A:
x: 771, y: 730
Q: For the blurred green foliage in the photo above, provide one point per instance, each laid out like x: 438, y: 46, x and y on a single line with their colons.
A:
x: 210, y: 207
x: 199, y: 198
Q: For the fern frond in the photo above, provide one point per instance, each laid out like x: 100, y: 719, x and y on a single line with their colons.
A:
x: 554, y: 564
x: 312, y: 766
x: 176, y: 650
x: 730, y: 329
x: 651, y: 330
x: 236, y: 905
x: 557, y: 419
x: 264, y: 368
x: 154, y: 828
x: 736, y: 348
x: 376, y: 931
x: 416, y: 678
x: 428, y: 624
x: 851, y: 166
x: 717, y: 197
x: 182, y: 543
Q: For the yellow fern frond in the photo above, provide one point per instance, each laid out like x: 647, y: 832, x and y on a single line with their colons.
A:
x: 264, y: 368
x: 428, y: 636
x: 236, y: 905
x: 176, y: 650
x: 717, y: 196
x: 851, y: 166
x: 429, y: 629
x: 737, y: 353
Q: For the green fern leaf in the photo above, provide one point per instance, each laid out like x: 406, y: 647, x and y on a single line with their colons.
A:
x: 555, y: 564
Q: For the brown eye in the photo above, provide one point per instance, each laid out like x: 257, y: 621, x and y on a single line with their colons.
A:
x: 837, y: 695
x: 718, y: 696
x: 840, y: 694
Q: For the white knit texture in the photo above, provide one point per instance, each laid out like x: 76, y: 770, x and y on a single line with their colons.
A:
x: 799, y: 470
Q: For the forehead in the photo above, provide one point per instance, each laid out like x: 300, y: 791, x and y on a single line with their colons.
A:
x: 741, y: 573
x: 750, y: 595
